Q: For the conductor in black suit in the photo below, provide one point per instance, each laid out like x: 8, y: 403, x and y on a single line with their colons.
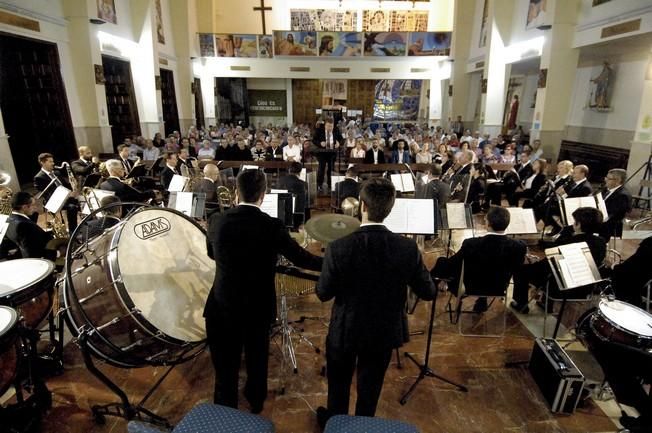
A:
x: 349, y: 187
x: 367, y: 272
x: 245, y: 244
x: 489, y: 261
x: 23, y: 233
x: 327, y: 139
x: 618, y: 202
x: 46, y: 182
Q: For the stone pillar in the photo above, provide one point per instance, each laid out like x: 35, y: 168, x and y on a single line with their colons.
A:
x: 641, y: 148
x: 460, y: 79
x: 183, y: 35
x: 94, y: 130
x: 560, y: 59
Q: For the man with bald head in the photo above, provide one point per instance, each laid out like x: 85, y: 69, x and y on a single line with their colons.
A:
x: 209, y: 183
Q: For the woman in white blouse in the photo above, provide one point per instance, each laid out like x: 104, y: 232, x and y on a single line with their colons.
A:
x: 424, y: 156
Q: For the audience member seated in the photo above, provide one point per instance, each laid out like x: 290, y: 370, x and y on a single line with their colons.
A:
x: 531, y: 185
x: 274, y: 151
x: 401, y: 155
x: 292, y: 152
x: 206, y: 151
x: 258, y: 151
x: 585, y: 225
x: 375, y: 155
x: 299, y: 189
x: 489, y: 261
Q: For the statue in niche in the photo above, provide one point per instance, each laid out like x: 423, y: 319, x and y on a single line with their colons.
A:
x: 599, y: 99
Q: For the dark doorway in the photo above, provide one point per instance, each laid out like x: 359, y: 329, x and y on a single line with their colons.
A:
x: 120, y: 100
x: 231, y: 100
x: 169, y: 97
x: 34, y: 104
x: 199, y: 104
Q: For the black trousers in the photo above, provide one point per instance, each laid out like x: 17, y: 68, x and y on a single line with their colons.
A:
x: 537, y: 274
x: 325, y: 168
x: 370, y: 366
x: 226, y: 341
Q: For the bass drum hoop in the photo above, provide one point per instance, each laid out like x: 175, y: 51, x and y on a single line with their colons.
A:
x: 194, y: 348
x: 599, y: 315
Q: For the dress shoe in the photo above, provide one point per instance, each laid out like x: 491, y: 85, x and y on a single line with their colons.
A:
x: 322, y: 416
x: 480, y: 305
x: 523, y: 309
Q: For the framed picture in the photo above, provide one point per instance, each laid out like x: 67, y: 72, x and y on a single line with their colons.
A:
x: 159, y: 22
x: 430, y: 44
x: 385, y: 44
x: 340, y: 44
x: 99, y: 74
x: 295, y: 43
x: 106, y: 11
x: 265, y: 46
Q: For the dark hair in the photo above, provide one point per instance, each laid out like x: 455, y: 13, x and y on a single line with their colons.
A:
x: 20, y: 199
x: 295, y: 168
x: 168, y: 155
x: 352, y: 171
x: 435, y: 169
x: 121, y: 147
x: 498, y: 218
x: 378, y: 195
x: 111, y: 200
x: 44, y: 156
x: 251, y: 185
x: 588, y: 218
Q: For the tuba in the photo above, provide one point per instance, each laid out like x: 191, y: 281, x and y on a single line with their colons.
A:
x: 5, y: 193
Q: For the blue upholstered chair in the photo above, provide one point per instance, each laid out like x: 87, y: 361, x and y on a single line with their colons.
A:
x: 364, y: 424
x: 210, y: 418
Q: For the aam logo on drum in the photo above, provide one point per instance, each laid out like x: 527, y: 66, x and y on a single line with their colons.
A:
x: 150, y: 228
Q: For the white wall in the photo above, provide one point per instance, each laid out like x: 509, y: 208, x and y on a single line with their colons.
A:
x: 476, y: 53
x: 591, y: 20
x: 518, y: 32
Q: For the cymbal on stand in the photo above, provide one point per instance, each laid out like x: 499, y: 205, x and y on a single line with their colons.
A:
x: 329, y: 227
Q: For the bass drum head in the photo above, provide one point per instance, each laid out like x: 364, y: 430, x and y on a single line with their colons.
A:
x: 20, y: 274
x: 627, y: 317
x: 165, y: 270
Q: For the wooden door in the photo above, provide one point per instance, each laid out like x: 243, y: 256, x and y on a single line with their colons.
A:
x: 120, y: 100
x: 34, y: 104
x: 199, y: 104
x: 231, y: 100
x: 169, y: 97
x: 306, y: 97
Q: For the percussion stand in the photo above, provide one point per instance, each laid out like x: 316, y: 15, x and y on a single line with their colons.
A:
x: 124, y: 409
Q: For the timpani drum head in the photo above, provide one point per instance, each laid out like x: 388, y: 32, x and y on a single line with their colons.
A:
x: 20, y: 274
x: 162, y: 262
x: 627, y: 317
x: 8, y: 318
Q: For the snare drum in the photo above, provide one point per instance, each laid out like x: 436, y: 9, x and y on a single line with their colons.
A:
x: 619, y: 322
x: 8, y: 347
x: 139, y: 289
x: 28, y: 286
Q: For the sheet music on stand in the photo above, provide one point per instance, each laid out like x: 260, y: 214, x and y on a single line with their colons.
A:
x: 570, y: 205
x: 573, y: 265
x: 412, y: 216
x: 521, y: 222
x: 270, y: 205
x: 57, y: 199
x: 3, y: 226
x: 456, y: 216
x: 335, y: 179
x: 178, y: 183
x: 249, y: 167
x: 403, y: 182
x: 191, y: 204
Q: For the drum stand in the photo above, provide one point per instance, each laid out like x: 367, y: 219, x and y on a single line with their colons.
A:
x: 124, y: 409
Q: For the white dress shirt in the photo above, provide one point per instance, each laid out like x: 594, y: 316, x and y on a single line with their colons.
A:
x: 293, y: 151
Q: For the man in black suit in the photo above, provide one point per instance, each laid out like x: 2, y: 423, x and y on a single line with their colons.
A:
x: 114, y: 183
x: 123, y: 157
x: 208, y: 185
x: 489, y: 261
x: 242, y: 303
x: 349, y: 187
x: 299, y: 189
x: 630, y: 277
x: 580, y: 186
x: 184, y: 159
x: 23, y: 233
x: 461, y: 179
x: 367, y: 272
x: 85, y: 165
x: 618, y: 202
x: 327, y: 140
x: 169, y: 170
x: 545, y: 202
x: 435, y: 188
x: 375, y: 155
x: 510, y: 182
x: 46, y: 182
x: 274, y: 152
x: 587, y: 221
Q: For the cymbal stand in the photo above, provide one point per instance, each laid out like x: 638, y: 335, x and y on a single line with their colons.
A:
x: 424, y: 369
x: 123, y: 409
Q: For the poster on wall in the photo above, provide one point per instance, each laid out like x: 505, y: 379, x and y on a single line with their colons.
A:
x: 375, y: 21
x: 340, y: 44
x: 430, y: 44
x: 334, y: 89
x: 385, y: 44
x: 295, y: 43
x: 536, y: 14
x: 323, y: 20
x: 267, y: 103
x: 397, y: 100
x: 106, y: 11
x: 483, y: 25
x: 265, y: 46
x: 408, y: 21
x: 206, y: 45
x: 236, y: 45
x: 159, y: 22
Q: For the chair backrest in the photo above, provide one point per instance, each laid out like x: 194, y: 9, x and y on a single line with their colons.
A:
x: 492, y: 284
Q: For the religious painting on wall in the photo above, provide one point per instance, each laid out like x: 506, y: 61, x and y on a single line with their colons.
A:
x: 295, y: 43
x: 601, y: 87
x: 206, y: 45
x: 375, y: 21
x: 265, y: 46
x: 536, y: 14
x: 430, y: 44
x: 408, y: 21
x: 397, y: 100
x: 236, y: 45
x: 159, y: 22
x: 340, y: 44
x: 483, y: 25
x: 334, y: 90
x: 385, y: 44
x: 543, y: 79
x: 323, y: 20
x: 106, y: 11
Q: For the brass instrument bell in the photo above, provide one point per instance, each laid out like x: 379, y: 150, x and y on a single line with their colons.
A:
x: 350, y: 206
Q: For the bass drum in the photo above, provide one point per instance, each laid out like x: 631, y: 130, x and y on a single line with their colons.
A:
x: 139, y: 289
x: 616, y: 321
x: 8, y: 347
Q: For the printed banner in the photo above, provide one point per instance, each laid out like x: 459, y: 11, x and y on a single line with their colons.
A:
x: 267, y: 103
x: 340, y: 44
x: 323, y: 20
x: 430, y: 44
x: 384, y: 44
x: 236, y: 45
x: 295, y: 43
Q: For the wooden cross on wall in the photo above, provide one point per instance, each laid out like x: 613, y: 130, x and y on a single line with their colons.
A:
x: 262, y: 8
